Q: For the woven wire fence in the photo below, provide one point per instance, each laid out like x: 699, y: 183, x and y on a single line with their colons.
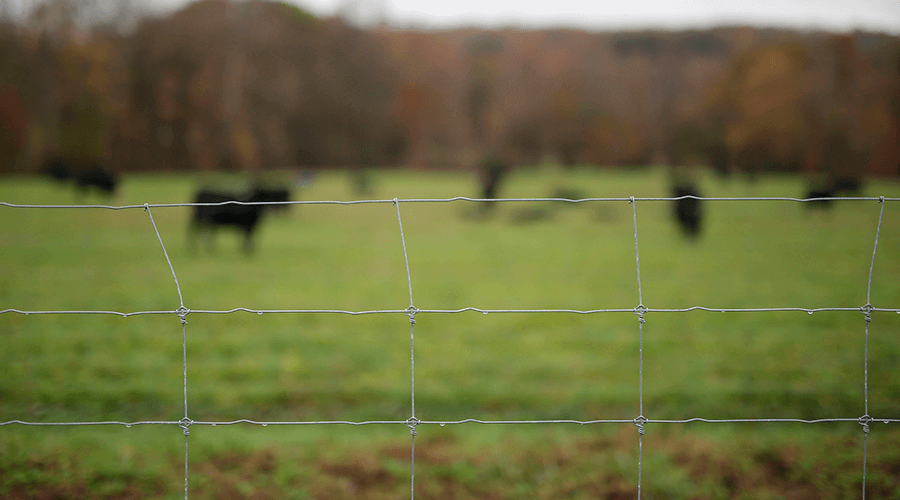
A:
x: 640, y: 311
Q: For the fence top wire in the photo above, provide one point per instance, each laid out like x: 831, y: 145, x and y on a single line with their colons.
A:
x: 183, y: 422
x: 454, y: 199
x: 261, y: 312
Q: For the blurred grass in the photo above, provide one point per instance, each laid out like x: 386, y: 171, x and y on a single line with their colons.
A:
x: 526, y: 255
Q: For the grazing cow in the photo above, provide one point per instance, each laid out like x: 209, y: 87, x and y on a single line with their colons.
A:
x: 491, y: 173
x: 57, y: 168
x: 687, y: 210
x: 84, y: 173
x: 832, y: 188
x: 207, y: 218
x: 96, y: 176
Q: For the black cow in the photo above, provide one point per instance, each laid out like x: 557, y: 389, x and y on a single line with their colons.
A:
x: 57, y: 168
x: 832, y: 187
x: 491, y: 174
x: 96, y: 177
x: 687, y: 210
x: 85, y: 173
x: 208, y: 218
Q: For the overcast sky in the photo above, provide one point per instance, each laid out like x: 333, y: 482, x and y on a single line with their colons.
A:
x: 840, y: 15
x: 835, y: 15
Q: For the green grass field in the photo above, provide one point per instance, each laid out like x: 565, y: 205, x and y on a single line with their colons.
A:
x: 511, y: 366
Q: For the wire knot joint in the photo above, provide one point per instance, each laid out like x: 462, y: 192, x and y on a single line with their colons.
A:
x: 182, y: 313
x: 864, y: 421
x: 412, y: 422
x: 867, y: 312
x: 185, y: 423
x: 639, y: 422
x: 411, y: 312
x: 640, y: 310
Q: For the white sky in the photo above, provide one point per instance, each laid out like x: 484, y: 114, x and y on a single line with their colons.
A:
x: 883, y: 15
x: 839, y: 15
x: 835, y: 15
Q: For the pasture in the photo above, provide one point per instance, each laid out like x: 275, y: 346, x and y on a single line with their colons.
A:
x: 496, y: 366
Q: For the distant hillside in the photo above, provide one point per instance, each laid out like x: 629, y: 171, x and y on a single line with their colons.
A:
x: 259, y: 85
x: 733, y: 97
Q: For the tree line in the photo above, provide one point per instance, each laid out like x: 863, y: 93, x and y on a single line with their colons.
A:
x: 261, y: 85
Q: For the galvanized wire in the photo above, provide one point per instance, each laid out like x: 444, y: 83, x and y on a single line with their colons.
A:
x: 454, y: 199
x: 411, y: 311
x: 443, y: 423
x: 639, y: 311
x: 412, y: 423
x: 260, y: 312
x: 165, y: 253
x: 182, y: 312
x: 866, y: 309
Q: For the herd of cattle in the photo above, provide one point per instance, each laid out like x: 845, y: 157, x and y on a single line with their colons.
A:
x: 687, y: 209
x: 214, y: 208
x: 243, y: 211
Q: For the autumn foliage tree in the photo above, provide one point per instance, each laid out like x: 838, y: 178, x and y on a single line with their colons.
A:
x: 255, y: 85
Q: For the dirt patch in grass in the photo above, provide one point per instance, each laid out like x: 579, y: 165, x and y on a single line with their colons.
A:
x: 592, y: 466
x: 47, y: 478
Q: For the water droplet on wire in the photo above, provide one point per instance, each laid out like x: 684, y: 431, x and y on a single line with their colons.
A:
x: 264, y: 425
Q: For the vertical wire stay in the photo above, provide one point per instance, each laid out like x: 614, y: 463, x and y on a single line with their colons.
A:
x: 169, y: 261
x: 186, y: 421
x: 405, y: 257
x: 639, y: 310
x: 182, y: 313
x: 185, y: 467
x: 867, y: 311
x: 637, y: 255
x: 411, y: 313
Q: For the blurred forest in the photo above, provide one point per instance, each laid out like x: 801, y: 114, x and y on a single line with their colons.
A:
x: 256, y: 85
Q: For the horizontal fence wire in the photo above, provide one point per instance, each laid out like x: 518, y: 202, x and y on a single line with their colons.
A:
x: 260, y: 312
x: 448, y: 200
x: 443, y: 423
x: 412, y: 423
